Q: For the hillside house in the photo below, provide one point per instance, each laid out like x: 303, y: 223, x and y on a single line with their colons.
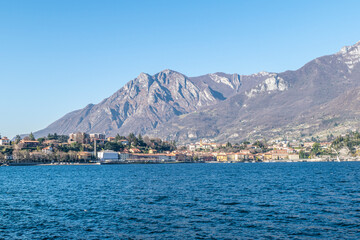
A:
x: 267, y: 156
x: 28, y: 144
x: 135, y: 150
x: 192, y: 147
x: 79, y: 137
x: 47, y: 150
x: 4, y: 141
x: 308, y: 144
x: 325, y: 145
x: 51, y: 142
x: 99, y: 137
x: 84, y: 155
x: 152, y: 151
x: 222, y: 157
x: 279, y: 154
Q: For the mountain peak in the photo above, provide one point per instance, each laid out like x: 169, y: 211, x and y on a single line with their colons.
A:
x: 262, y: 74
x: 354, y: 49
x: 169, y: 75
x: 167, y: 71
x: 351, y: 55
x: 146, y: 76
x: 143, y: 78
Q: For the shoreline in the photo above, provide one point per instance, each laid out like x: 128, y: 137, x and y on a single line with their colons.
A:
x: 136, y: 163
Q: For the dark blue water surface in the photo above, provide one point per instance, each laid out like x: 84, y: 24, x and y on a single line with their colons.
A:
x: 181, y: 201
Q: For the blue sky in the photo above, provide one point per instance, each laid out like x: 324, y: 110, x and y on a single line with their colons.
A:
x: 59, y: 56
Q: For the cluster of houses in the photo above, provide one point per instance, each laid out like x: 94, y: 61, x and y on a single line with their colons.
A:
x: 281, y: 151
x: 203, y: 145
x: 131, y: 155
x: 128, y: 155
x: 202, y: 151
x: 247, y: 155
x: 84, y: 138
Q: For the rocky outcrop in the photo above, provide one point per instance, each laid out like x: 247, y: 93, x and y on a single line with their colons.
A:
x: 271, y: 84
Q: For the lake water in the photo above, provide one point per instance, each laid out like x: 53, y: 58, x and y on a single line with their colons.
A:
x: 181, y: 201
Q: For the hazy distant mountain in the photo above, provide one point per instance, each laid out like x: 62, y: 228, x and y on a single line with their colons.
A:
x: 229, y: 107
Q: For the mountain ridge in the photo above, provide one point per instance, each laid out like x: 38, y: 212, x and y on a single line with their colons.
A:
x: 173, y: 106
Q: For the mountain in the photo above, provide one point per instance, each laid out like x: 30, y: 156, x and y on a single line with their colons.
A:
x: 229, y: 106
x: 147, y: 101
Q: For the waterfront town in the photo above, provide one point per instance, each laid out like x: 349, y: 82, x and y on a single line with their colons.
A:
x: 83, y: 148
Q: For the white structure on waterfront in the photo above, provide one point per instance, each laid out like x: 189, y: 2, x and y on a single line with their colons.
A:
x: 108, y: 155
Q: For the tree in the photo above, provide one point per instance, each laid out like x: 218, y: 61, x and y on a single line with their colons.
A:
x: 140, y: 140
x: 132, y: 139
x: 75, y: 147
x: 31, y: 137
x: 303, y: 154
x: 112, y: 146
x: 330, y: 137
x: 316, y: 149
x: 147, y: 141
x: 17, y: 139
x: 63, y: 138
x: 117, y: 137
x: 260, y: 145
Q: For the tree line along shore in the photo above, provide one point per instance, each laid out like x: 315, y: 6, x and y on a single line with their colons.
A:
x: 83, y: 148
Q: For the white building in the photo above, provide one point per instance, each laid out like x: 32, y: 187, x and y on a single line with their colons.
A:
x: 202, y: 145
x: 47, y: 150
x: 192, y: 147
x: 4, y: 141
x: 294, y: 157
x: 108, y: 155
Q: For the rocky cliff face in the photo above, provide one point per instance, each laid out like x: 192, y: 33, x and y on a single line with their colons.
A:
x: 147, y: 101
x: 223, y: 106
